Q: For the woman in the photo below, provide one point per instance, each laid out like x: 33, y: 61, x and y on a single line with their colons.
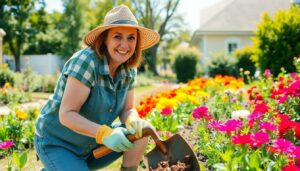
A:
x: 94, y: 88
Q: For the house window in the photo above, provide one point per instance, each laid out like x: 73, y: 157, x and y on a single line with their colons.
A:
x: 232, y: 46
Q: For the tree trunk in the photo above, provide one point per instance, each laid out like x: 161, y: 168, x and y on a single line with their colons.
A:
x: 153, y: 56
x: 18, y: 63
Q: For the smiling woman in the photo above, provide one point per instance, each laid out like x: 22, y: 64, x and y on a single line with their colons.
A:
x: 96, y: 87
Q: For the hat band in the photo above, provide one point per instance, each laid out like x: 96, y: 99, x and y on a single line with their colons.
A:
x: 124, y: 22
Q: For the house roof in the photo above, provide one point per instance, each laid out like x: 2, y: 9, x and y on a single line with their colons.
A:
x: 238, y: 15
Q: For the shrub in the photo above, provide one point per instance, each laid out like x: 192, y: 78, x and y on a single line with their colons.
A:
x: 222, y: 64
x: 243, y: 59
x: 277, y: 40
x: 185, y: 64
x: 6, y: 76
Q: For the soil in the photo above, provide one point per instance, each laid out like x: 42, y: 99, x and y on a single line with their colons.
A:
x: 179, y: 166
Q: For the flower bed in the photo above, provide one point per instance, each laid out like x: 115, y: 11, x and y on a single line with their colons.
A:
x: 236, y: 126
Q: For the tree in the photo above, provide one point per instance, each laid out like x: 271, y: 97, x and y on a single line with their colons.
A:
x: 75, y: 24
x: 15, y: 20
x: 278, y: 41
x: 48, y: 39
x: 156, y: 15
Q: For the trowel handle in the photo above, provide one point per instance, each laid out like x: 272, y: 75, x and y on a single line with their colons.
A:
x: 158, y: 142
x: 103, y: 150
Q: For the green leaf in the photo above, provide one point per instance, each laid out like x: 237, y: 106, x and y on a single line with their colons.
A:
x: 23, y: 159
x: 227, y: 155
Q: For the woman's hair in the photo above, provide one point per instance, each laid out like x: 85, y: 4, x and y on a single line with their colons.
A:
x: 100, y: 48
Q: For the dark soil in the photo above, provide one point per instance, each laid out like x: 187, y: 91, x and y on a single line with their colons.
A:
x: 179, y: 166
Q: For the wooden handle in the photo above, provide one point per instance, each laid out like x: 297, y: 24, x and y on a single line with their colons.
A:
x: 103, y: 150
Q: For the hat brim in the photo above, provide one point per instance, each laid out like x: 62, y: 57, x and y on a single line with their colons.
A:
x: 148, y: 37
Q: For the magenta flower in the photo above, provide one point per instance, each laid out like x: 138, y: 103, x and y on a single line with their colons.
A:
x: 241, y: 139
x: 267, y: 126
x: 283, y: 145
x: 230, y: 125
x: 201, y: 112
x: 259, y: 138
x: 267, y: 73
x: 6, y: 144
x: 214, y: 124
x: 256, y: 115
x: 294, y: 89
x: 166, y: 111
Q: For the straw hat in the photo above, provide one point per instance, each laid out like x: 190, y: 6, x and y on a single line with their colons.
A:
x: 121, y: 16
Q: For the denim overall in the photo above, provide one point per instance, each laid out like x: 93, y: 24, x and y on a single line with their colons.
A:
x: 57, y: 145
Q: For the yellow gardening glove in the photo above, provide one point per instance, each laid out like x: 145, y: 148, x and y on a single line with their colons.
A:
x: 135, y: 124
x: 114, y: 139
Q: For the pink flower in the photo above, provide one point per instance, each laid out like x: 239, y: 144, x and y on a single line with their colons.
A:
x: 267, y: 126
x: 283, y: 145
x: 166, y: 111
x: 230, y: 125
x: 214, y: 124
x: 256, y: 115
x: 267, y: 73
x: 201, y: 112
x: 241, y: 139
x: 259, y: 138
x: 6, y: 144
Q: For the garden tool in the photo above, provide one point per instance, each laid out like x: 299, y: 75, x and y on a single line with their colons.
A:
x: 173, y: 149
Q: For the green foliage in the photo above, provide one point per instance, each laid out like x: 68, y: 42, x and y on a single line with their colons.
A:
x: 297, y: 64
x: 278, y: 41
x: 15, y: 20
x: 6, y: 76
x: 222, y: 64
x: 185, y: 64
x: 50, y: 36
x: 74, y: 24
x: 244, y: 61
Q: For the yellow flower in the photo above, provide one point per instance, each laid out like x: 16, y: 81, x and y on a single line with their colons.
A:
x: 194, y: 99
x: 36, y: 113
x: 7, y: 84
x: 4, y: 65
x: 21, y: 114
x: 181, y: 97
x: 164, y: 102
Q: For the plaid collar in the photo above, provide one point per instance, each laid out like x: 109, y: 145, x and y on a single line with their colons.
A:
x: 122, y: 71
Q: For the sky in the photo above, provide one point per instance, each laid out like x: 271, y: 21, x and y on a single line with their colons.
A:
x: 190, y: 9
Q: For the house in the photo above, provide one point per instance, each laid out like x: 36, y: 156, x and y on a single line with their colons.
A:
x: 230, y: 24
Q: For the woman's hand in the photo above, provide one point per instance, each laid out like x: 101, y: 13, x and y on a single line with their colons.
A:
x: 135, y: 125
x: 114, y: 139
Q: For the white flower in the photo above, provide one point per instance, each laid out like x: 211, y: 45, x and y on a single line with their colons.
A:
x: 240, y: 114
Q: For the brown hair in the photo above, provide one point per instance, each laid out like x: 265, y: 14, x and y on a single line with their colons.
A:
x: 101, y: 50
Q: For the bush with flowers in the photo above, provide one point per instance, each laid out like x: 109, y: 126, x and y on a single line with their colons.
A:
x: 252, y: 127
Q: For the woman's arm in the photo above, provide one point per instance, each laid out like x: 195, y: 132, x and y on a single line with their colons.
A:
x: 75, y: 95
x: 129, y: 105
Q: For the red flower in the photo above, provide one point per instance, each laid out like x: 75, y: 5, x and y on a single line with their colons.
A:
x: 241, y: 139
x: 263, y: 108
x: 291, y: 168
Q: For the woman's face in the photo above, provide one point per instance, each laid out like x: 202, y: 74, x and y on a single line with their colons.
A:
x: 121, y: 43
